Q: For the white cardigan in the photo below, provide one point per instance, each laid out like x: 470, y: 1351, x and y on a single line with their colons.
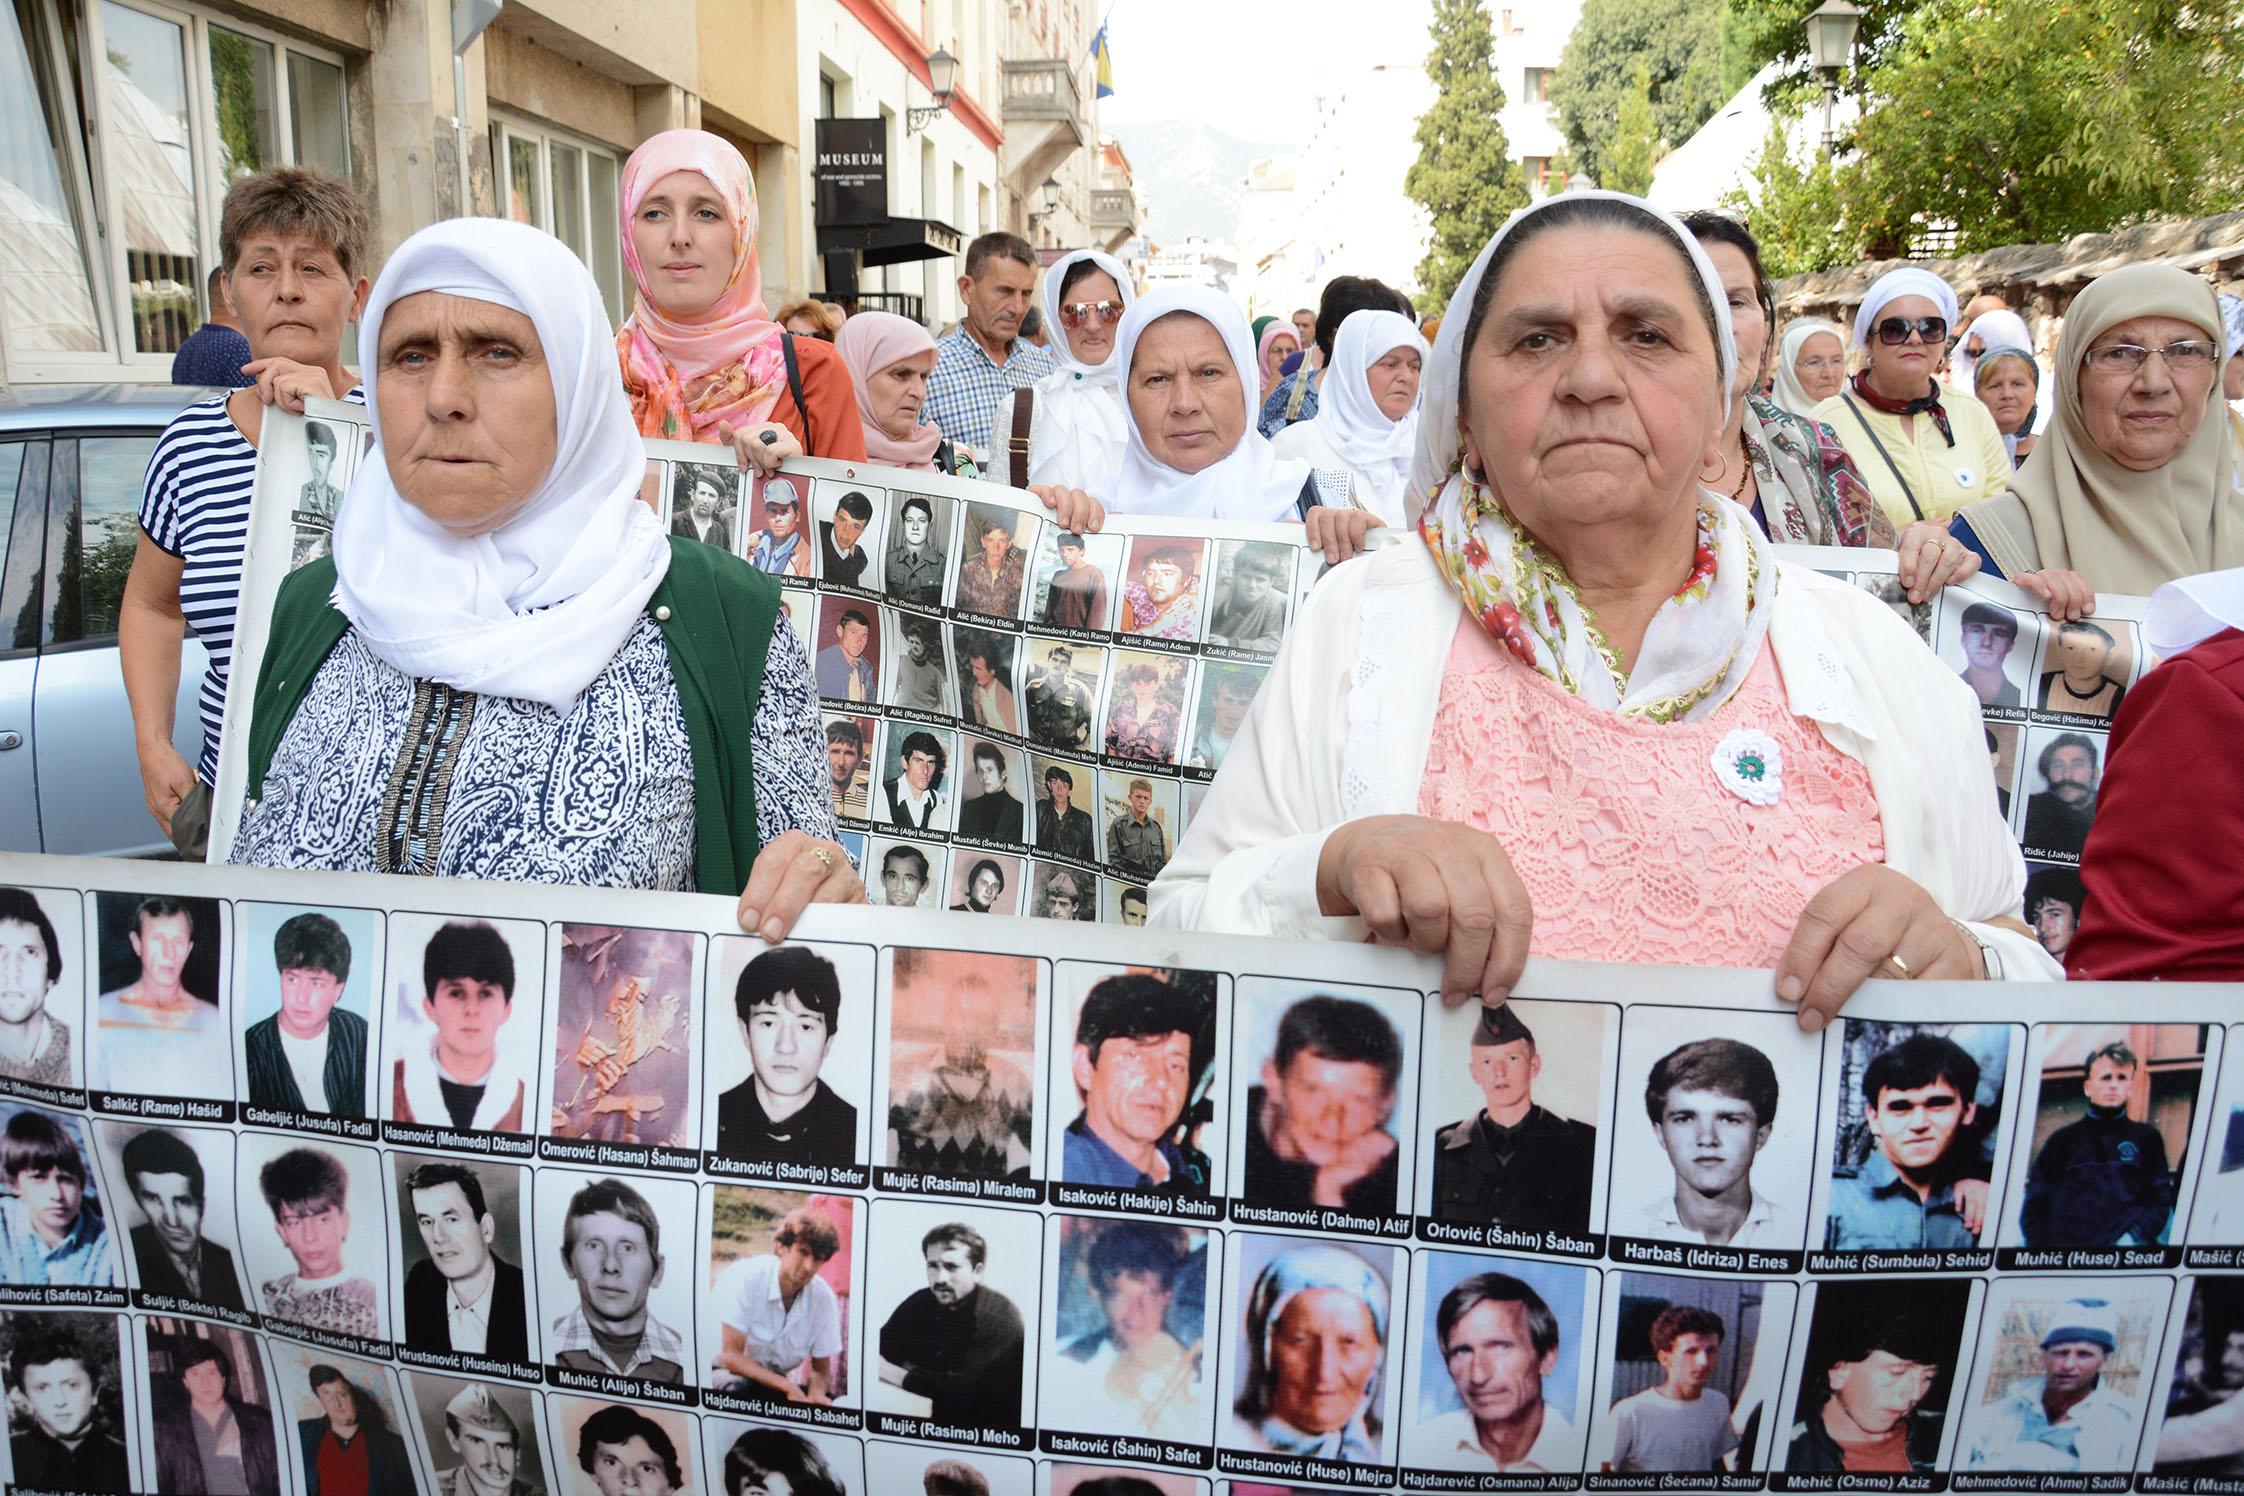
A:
x: 1341, y: 727
x: 1305, y: 442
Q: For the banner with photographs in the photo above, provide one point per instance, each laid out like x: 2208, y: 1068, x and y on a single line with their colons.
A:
x: 341, y: 1183
x: 2048, y: 691
x: 1019, y: 720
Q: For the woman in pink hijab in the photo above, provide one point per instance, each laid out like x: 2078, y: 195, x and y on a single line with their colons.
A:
x: 1279, y: 343
x: 889, y: 358
x: 702, y: 360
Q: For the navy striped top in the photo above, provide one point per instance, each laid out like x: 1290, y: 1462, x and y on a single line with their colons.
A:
x: 194, y: 504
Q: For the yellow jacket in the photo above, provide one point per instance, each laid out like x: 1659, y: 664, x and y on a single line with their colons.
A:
x: 1942, y: 478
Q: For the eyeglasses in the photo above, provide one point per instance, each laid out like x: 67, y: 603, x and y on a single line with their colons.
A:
x: 2126, y: 358
x: 1076, y: 313
x: 1894, y: 331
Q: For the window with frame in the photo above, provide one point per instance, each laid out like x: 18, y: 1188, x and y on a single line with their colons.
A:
x: 568, y: 187
x: 1535, y: 85
x: 123, y: 221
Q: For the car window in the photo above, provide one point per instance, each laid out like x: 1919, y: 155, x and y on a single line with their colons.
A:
x: 105, y: 530
x: 23, y: 504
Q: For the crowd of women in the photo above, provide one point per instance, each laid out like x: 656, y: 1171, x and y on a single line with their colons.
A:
x: 1576, y: 707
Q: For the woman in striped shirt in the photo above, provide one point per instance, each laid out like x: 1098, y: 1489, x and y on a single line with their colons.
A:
x: 292, y: 243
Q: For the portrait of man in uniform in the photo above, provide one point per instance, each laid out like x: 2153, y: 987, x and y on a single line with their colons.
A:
x: 1515, y: 1164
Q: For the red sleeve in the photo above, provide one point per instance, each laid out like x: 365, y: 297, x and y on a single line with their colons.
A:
x: 2165, y: 883
x: 834, y: 428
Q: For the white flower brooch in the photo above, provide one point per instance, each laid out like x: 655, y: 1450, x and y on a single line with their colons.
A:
x: 1751, y: 766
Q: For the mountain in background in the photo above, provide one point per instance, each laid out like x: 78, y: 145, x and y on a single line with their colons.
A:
x: 1191, y: 176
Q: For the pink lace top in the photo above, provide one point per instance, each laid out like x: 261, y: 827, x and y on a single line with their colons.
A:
x: 1630, y: 847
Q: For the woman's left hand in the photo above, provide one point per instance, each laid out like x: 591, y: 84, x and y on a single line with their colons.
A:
x: 1072, y: 507
x: 288, y: 384
x: 760, y: 448
x: 1339, y: 533
x: 1869, y: 922
x: 795, y: 871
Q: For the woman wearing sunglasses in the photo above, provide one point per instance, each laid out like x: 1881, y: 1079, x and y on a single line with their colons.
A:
x: 2135, y: 483
x: 1066, y: 430
x: 1925, y: 451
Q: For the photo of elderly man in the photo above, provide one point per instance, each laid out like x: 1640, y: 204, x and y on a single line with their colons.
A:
x: 1874, y: 1386
x: 2070, y: 1404
x: 1311, y: 1349
x: 1500, y: 1345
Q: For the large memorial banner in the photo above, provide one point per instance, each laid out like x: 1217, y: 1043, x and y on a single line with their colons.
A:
x: 1019, y: 720
x: 341, y: 1182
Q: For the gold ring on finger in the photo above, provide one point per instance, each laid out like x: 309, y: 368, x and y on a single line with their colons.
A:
x: 1901, y: 966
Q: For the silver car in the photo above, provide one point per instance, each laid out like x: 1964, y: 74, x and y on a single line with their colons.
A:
x: 71, y: 461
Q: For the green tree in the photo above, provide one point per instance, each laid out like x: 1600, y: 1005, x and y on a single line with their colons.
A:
x: 1795, y: 210
x: 1464, y: 176
x: 2030, y: 121
x: 1634, y: 148
x: 1679, y: 42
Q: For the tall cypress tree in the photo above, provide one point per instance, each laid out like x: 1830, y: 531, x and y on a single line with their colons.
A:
x: 1464, y: 175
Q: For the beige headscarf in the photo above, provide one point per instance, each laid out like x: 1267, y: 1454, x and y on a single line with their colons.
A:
x: 2073, y: 506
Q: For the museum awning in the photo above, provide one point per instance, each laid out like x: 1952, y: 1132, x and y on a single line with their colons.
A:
x: 893, y: 241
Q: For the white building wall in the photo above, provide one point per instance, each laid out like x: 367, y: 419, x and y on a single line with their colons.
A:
x: 1530, y: 38
x: 1349, y: 205
x: 958, y: 171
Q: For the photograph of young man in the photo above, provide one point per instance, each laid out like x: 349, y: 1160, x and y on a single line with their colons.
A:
x: 788, y: 1005
x: 470, y: 1072
x: 1711, y: 1104
x: 1925, y: 1183
x: 311, y: 1055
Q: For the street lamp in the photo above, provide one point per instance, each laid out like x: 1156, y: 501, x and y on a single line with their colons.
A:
x: 942, y: 80
x: 1047, y: 203
x: 1831, y: 29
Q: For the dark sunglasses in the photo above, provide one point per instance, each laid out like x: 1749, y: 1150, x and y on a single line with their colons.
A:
x: 1076, y: 313
x: 1894, y: 331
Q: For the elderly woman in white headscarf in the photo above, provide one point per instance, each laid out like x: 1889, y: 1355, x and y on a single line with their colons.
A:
x: 1187, y: 360
x: 1811, y: 365
x: 1367, y: 422
x: 2139, y: 479
x: 1554, y: 724
x: 507, y: 670
x: 1066, y: 429
x: 1316, y: 1337
x: 1924, y: 451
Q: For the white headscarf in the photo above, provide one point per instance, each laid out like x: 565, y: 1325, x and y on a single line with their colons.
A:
x: 1440, y: 457
x: 1891, y: 287
x: 2189, y: 610
x: 1351, y: 422
x: 536, y: 608
x: 1700, y: 645
x: 1071, y: 370
x: 1079, y: 435
x: 2001, y: 328
x: 1250, y: 482
x: 1789, y: 393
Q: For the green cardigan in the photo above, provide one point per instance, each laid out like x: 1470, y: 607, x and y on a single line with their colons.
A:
x: 716, y: 613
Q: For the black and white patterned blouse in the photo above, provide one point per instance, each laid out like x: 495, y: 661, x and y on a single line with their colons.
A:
x: 378, y: 772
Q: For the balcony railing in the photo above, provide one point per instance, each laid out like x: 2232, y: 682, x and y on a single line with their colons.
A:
x: 1041, y: 88
x: 1114, y: 208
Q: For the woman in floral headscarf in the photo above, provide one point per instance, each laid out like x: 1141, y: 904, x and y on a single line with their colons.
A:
x: 1589, y: 714
x: 702, y: 361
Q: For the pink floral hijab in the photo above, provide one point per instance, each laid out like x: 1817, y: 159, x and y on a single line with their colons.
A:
x: 688, y: 376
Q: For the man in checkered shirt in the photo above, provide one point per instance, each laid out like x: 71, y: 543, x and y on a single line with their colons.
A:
x: 987, y: 358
